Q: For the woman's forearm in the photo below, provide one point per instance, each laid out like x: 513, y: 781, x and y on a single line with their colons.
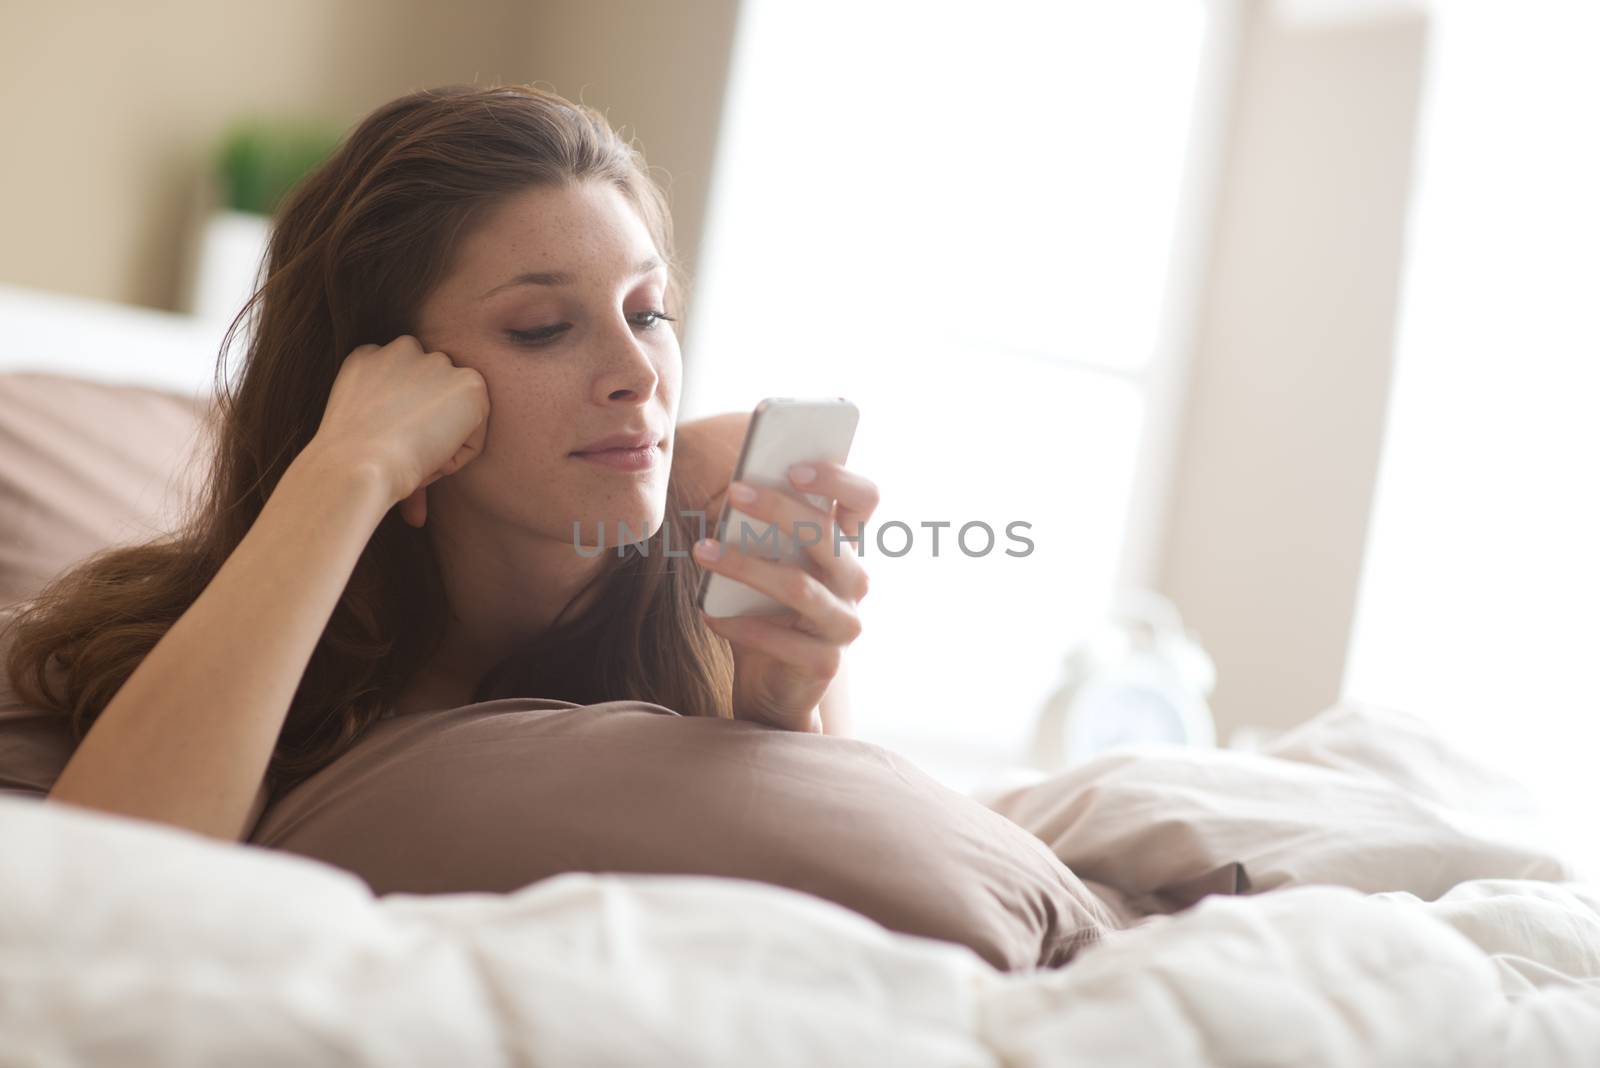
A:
x: 187, y: 739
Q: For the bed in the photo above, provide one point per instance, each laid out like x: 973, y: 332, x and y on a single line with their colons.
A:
x: 1356, y: 893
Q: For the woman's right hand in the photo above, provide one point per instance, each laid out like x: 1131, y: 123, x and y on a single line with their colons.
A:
x: 415, y: 414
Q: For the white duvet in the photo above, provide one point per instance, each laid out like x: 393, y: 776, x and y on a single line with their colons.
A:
x: 125, y: 943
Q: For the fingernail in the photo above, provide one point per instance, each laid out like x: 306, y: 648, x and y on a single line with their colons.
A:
x: 707, y: 549
x: 802, y: 473
x: 742, y: 493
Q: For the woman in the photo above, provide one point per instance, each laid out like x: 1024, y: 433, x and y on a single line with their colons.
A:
x: 435, y: 229
x: 460, y: 379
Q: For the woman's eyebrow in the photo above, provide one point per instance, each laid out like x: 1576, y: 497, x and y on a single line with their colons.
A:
x: 562, y: 278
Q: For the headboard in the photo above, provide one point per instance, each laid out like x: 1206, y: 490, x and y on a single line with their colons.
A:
x: 107, y: 342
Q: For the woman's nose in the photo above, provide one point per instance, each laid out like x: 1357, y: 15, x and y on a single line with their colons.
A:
x: 630, y: 371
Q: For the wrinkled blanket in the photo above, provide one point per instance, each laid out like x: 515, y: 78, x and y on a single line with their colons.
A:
x: 1419, y: 927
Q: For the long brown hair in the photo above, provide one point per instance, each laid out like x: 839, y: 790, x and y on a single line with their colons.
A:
x: 355, y: 249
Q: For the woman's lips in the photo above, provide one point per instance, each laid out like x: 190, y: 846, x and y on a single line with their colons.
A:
x: 641, y: 459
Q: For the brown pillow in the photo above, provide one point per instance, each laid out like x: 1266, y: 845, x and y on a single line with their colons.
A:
x: 495, y: 795
x: 84, y: 465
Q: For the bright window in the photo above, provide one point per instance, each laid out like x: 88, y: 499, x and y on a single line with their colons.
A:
x: 959, y: 217
x: 1479, y: 597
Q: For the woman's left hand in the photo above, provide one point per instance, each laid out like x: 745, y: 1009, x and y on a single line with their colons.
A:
x: 784, y: 663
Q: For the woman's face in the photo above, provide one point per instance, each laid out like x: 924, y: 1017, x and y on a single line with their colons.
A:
x: 550, y: 299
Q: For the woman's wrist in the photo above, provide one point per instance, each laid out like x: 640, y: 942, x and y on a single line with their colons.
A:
x: 361, y: 477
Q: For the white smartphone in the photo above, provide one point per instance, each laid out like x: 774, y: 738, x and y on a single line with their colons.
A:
x: 783, y: 431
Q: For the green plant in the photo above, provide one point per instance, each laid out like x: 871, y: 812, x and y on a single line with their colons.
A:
x: 259, y: 160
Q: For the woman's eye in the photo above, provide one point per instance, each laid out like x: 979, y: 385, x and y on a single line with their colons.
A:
x: 535, y: 337
x: 550, y: 333
x: 658, y: 317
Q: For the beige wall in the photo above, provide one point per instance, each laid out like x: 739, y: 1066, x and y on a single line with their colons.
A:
x: 1277, y: 451
x: 1261, y: 504
x: 658, y: 69
x: 111, y: 110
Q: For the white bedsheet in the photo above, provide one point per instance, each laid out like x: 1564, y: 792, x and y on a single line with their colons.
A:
x: 125, y: 943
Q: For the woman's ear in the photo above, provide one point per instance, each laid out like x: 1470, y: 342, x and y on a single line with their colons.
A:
x: 414, y: 509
